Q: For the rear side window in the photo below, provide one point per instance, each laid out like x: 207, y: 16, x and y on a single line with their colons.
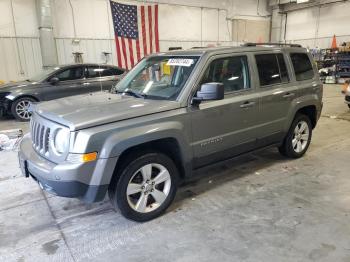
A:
x: 110, y: 71
x: 101, y: 71
x: 302, y: 66
x: 272, y: 69
x: 232, y: 72
x: 93, y: 72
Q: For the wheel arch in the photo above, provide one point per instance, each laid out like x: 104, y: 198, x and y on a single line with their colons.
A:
x: 168, y: 146
x: 308, y: 108
x: 311, y: 112
x: 24, y: 96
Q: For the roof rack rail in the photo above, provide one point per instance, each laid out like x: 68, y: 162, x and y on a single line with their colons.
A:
x: 277, y: 44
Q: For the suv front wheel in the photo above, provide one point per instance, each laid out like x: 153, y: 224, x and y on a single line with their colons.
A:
x: 145, y: 187
x: 298, y: 137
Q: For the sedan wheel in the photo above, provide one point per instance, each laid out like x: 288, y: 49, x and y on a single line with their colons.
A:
x: 20, y: 108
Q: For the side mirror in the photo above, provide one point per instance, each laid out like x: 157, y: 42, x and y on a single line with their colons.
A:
x: 54, y: 80
x: 210, y: 91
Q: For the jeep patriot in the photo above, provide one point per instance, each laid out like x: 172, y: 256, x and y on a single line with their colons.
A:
x: 172, y: 114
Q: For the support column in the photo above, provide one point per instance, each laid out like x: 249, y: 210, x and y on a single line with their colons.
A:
x: 47, y: 41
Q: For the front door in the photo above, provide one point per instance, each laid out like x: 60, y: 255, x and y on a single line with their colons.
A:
x: 224, y: 128
x: 70, y: 84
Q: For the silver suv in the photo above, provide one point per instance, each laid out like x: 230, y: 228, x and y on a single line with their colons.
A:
x: 170, y: 116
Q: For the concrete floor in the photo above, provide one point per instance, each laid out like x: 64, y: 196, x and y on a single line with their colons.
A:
x: 260, y: 207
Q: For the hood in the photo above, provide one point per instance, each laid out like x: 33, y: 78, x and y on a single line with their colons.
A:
x: 94, y: 109
x: 11, y: 87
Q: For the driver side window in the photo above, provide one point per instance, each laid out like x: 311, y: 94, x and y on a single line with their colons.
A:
x: 70, y: 74
x: 232, y: 72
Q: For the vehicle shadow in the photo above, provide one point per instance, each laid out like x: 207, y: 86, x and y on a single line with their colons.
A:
x: 216, y: 175
x: 208, y: 179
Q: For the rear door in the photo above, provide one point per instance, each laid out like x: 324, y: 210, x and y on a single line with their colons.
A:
x: 224, y: 128
x: 306, y: 74
x: 70, y: 83
x: 101, y: 78
x: 276, y: 90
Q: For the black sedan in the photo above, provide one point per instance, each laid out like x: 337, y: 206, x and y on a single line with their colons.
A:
x: 62, y: 81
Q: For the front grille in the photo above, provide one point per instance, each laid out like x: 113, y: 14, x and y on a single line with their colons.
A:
x: 40, y: 137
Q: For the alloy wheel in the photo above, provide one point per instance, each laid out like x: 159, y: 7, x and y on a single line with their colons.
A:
x: 22, y: 109
x: 300, y: 137
x: 148, y: 188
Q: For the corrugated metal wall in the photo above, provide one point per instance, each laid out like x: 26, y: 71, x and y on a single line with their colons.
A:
x: 182, y: 23
x: 20, y: 58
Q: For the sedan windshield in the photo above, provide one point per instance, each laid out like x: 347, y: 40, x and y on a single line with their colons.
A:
x: 159, y: 77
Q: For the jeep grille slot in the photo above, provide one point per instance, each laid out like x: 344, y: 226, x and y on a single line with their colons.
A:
x: 40, y: 137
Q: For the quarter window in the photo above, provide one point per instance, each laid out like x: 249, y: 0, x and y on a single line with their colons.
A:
x: 302, y: 66
x: 232, y: 72
x: 272, y: 69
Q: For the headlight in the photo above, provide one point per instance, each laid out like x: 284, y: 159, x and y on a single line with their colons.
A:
x: 3, y: 95
x: 61, y: 140
x: 10, y: 97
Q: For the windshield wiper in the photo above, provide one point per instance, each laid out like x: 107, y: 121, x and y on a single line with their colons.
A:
x: 132, y: 93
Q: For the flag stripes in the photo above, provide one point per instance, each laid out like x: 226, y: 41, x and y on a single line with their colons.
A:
x: 134, y: 41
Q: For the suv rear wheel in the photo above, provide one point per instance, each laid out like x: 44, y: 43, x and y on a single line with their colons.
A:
x: 146, y: 186
x: 298, y: 137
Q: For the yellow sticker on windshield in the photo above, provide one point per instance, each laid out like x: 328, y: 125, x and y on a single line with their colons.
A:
x: 166, y: 69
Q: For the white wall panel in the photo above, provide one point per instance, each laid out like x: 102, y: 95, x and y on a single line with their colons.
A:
x: 25, y: 18
x: 24, y: 13
x: 179, y: 23
x: 301, y: 24
x: 225, y: 27
x: 210, y: 25
x: 92, y: 50
x: 62, y: 19
x: 6, y: 25
x: 315, y: 27
x: 22, y: 62
x: 334, y: 20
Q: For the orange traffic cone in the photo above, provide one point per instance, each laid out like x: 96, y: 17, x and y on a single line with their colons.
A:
x: 334, y: 43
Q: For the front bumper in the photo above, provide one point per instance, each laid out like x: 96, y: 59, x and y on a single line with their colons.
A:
x: 347, y: 99
x: 87, y: 181
x: 4, y: 107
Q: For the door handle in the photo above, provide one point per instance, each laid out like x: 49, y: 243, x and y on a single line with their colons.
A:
x: 247, y: 104
x: 288, y: 95
x: 86, y: 84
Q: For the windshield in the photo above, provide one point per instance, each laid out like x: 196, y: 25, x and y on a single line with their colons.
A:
x: 160, y: 77
x: 43, y: 75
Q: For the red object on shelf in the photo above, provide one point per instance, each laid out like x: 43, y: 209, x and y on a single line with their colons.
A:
x: 334, y: 43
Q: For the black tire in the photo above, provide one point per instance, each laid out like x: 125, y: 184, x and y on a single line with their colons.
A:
x: 349, y: 106
x: 15, y: 108
x: 287, y: 149
x: 118, y: 188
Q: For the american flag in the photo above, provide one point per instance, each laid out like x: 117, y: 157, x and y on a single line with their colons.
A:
x: 136, y: 32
